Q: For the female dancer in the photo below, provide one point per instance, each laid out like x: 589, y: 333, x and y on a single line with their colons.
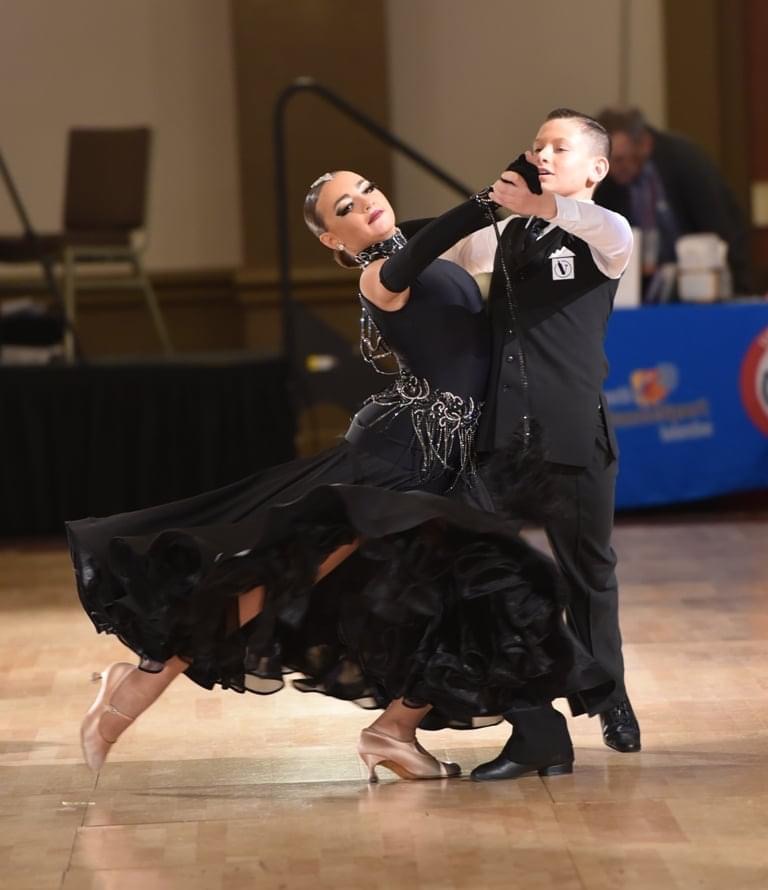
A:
x: 349, y: 567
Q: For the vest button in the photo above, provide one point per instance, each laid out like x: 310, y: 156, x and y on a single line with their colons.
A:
x: 507, y: 387
x: 511, y: 358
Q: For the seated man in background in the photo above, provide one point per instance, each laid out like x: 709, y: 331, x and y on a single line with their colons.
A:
x: 667, y: 187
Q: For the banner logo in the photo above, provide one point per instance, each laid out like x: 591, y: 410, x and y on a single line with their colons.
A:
x: 645, y: 402
x: 753, y: 381
x: 651, y: 386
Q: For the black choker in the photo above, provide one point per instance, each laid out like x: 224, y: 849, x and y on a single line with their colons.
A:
x: 381, y: 249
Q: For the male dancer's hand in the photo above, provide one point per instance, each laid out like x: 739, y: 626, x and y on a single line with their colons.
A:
x: 518, y: 189
x: 511, y: 191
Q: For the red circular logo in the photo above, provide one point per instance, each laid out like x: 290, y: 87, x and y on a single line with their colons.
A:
x: 753, y: 382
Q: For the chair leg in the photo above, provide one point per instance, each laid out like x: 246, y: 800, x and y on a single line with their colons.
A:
x: 153, y: 305
x: 69, y: 305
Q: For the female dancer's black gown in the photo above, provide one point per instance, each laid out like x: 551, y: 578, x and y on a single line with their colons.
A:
x: 441, y: 603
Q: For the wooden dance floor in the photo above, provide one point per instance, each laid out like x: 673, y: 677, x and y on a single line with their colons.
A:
x: 215, y: 791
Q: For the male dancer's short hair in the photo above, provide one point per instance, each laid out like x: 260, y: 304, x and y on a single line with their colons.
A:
x: 598, y: 135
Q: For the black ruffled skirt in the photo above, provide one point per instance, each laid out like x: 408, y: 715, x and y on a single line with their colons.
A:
x: 441, y: 603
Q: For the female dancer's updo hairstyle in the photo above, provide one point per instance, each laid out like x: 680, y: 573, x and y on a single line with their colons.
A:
x: 315, y: 223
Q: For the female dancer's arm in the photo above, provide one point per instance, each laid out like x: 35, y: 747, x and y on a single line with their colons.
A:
x: 387, y: 283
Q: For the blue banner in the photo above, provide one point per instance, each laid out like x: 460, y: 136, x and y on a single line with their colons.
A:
x: 688, y: 391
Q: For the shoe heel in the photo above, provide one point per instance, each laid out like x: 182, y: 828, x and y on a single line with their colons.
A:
x: 371, y: 761
x: 95, y: 747
x: 557, y: 769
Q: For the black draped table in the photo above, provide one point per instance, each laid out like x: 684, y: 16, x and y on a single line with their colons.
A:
x: 89, y: 440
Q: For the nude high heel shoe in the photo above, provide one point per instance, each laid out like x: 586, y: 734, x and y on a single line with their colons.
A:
x: 95, y: 746
x: 408, y: 760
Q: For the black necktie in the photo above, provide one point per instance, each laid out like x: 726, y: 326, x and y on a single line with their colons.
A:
x: 536, y: 227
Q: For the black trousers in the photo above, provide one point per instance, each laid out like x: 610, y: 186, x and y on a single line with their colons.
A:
x: 580, y: 537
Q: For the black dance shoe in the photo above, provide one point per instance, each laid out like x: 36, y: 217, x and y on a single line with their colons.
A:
x: 621, y: 730
x: 504, y: 768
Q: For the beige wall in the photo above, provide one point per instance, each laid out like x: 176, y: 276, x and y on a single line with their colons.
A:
x: 339, y: 43
x: 470, y: 81
x: 166, y: 63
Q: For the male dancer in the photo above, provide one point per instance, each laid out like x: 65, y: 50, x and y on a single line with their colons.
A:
x: 564, y: 255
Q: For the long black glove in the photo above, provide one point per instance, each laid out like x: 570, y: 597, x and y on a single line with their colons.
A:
x: 430, y: 238
x: 409, y: 227
x: 402, y: 269
x: 528, y: 171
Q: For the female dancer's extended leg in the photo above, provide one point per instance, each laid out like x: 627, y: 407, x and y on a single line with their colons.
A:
x: 126, y: 692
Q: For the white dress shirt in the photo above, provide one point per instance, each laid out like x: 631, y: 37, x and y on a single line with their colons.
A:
x: 608, y: 235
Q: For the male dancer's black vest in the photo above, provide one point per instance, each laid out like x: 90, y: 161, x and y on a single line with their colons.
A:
x: 563, y: 322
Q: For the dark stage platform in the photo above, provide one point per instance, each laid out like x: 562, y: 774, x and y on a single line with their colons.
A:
x: 94, y: 439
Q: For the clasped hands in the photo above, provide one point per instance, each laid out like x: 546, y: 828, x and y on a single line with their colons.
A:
x: 518, y: 189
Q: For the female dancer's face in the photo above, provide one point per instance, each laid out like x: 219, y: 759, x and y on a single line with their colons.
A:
x: 355, y: 213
